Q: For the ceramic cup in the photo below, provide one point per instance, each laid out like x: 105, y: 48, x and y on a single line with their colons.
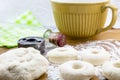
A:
x: 82, y: 18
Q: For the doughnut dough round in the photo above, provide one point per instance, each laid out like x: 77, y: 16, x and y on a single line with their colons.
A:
x: 111, y: 70
x: 95, y: 56
x: 22, y: 64
x: 62, y: 54
x: 77, y: 70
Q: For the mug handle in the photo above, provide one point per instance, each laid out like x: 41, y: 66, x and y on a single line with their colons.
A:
x: 114, y: 17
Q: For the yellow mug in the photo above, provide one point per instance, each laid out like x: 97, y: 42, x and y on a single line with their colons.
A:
x: 82, y: 18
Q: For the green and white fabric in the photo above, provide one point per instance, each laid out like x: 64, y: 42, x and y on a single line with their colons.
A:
x: 27, y: 25
x: 10, y: 34
x: 28, y: 19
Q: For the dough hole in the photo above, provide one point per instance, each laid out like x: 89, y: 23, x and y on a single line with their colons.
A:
x: 76, y: 66
x: 62, y: 49
x: 21, y: 61
x: 94, y: 52
x: 117, y: 65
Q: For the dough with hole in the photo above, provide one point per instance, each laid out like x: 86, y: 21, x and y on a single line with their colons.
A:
x: 95, y: 56
x: 62, y: 54
x: 77, y: 70
x: 111, y: 70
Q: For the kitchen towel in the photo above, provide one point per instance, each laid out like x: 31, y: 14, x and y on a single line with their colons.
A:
x: 25, y: 25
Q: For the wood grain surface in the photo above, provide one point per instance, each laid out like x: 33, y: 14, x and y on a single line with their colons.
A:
x: 111, y: 34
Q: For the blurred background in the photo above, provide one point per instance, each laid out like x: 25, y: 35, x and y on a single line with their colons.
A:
x: 41, y: 9
x: 11, y: 9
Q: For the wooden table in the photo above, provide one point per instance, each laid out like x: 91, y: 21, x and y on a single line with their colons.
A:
x: 111, y: 34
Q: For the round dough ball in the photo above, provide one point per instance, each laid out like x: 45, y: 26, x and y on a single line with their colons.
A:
x: 77, y: 70
x: 62, y: 54
x: 95, y: 56
x: 22, y: 64
x: 111, y: 70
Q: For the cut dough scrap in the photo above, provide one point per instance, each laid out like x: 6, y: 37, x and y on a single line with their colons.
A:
x: 22, y: 64
x: 62, y: 54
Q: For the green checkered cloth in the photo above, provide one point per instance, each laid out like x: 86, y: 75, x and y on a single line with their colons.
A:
x: 11, y: 33
x: 28, y: 19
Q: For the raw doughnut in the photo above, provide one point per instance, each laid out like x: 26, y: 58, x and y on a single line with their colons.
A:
x: 62, y: 54
x: 22, y: 64
x: 77, y: 70
x: 111, y: 70
x: 95, y: 56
